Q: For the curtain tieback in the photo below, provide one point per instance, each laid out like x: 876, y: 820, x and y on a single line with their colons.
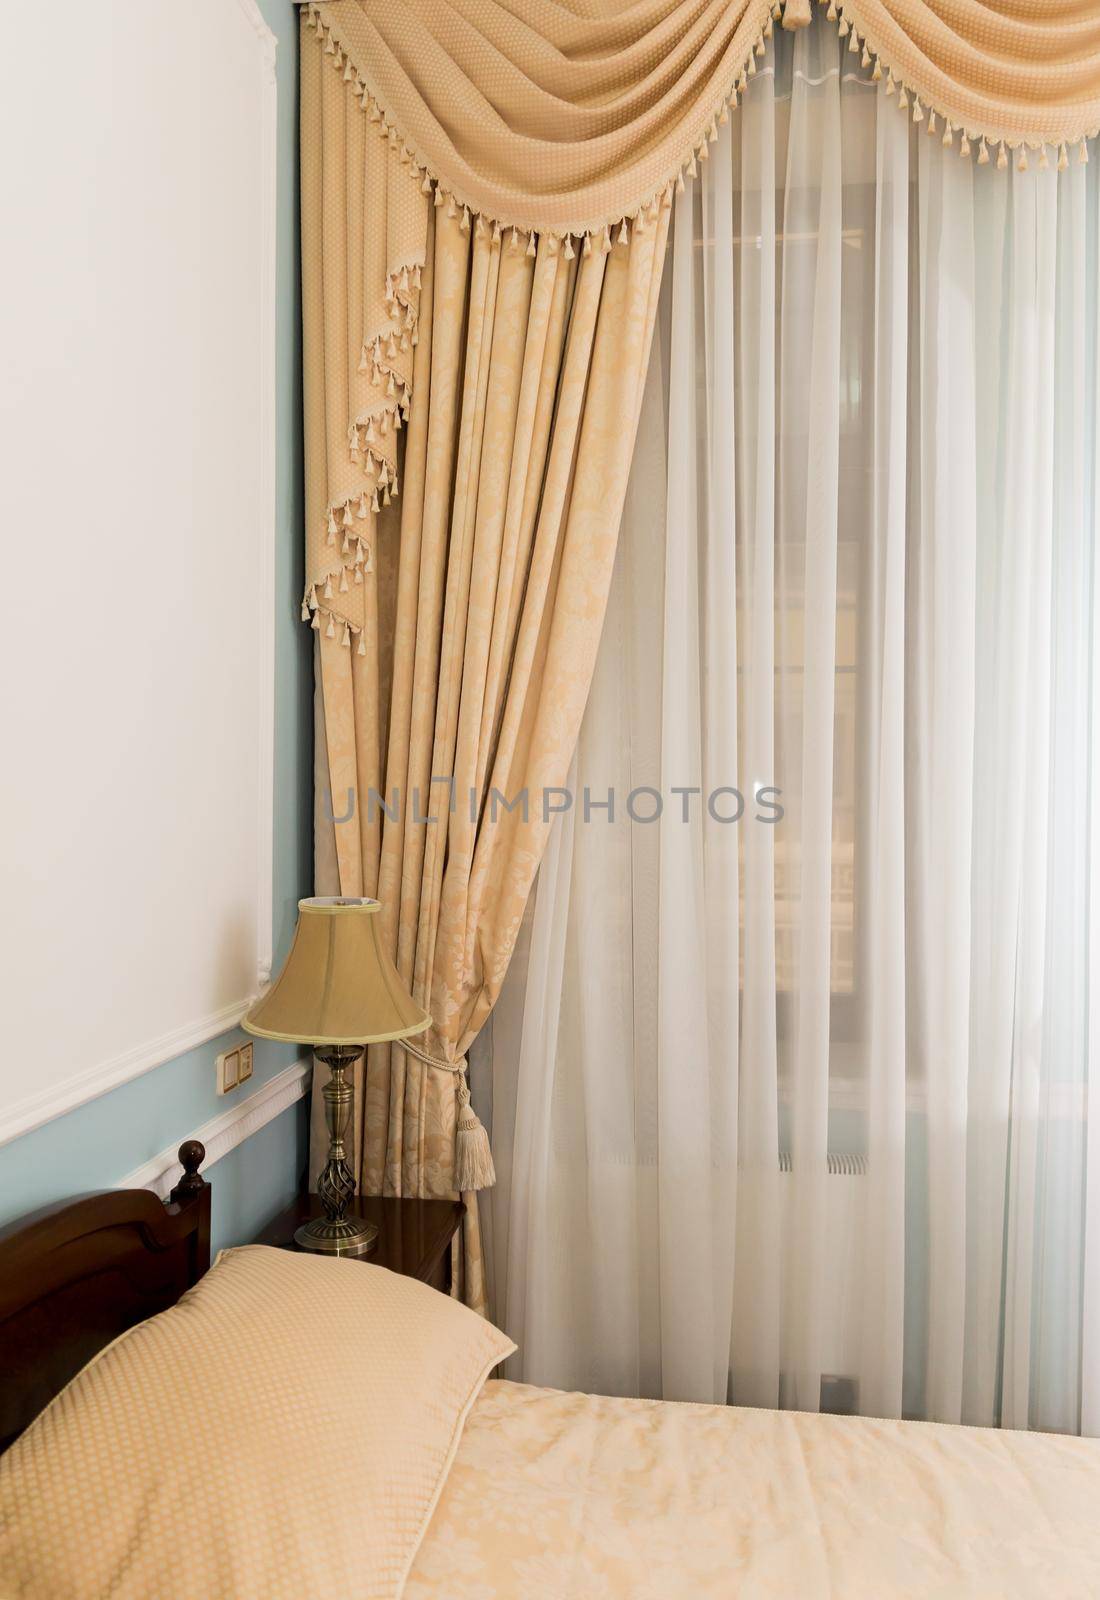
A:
x: 473, y: 1158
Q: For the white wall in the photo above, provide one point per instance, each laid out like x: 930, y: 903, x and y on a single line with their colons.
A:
x: 136, y: 505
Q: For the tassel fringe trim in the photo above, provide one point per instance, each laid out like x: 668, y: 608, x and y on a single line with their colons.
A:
x: 581, y: 240
x: 974, y: 139
x: 369, y: 432
x: 473, y: 1155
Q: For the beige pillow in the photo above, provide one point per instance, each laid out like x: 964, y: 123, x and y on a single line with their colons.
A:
x: 283, y: 1432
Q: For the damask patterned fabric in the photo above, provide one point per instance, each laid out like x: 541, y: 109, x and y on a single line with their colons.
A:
x: 577, y: 1497
x: 456, y: 654
x: 485, y: 199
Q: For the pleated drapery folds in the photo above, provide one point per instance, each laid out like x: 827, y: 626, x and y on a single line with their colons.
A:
x: 486, y: 191
x: 524, y: 369
x: 851, y: 1133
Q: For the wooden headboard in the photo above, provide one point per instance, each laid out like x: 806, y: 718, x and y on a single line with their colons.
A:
x: 77, y: 1274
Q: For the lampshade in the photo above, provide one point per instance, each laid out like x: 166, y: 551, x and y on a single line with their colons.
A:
x: 338, y: 985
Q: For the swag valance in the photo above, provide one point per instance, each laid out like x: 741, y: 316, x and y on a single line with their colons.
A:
x: 568, y: 115
x: 577, y: 121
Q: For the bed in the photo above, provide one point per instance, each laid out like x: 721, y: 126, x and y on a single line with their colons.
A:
x: 532, y: 1494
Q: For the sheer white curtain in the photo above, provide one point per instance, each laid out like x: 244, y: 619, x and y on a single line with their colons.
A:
x: 794, y: 1112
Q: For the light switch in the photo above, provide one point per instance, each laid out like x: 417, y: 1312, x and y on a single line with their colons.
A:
x: 244, y: 1070
x: 229, y: 1070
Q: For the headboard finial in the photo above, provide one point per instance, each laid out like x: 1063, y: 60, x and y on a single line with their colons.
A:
x: 192, y: 1154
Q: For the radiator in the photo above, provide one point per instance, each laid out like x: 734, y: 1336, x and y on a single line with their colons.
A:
x: 844, y: 1223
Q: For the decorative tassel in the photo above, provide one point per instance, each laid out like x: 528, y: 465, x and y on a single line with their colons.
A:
x: 903, y: 98
x: 918, y: 111
x: 843, y: 28
x: 362, y: 650
x: 1002, y: 158
x: 530, y: 251
x: 330, y: 631
x: 964, y: 146
x: 586, y: 249
x: 1063, y: 158
x: 1021, y: 164
x: 1044, y: 164
x: 344, y: 581
x: 876, y: 76
x: 983, y: 154
x: 931, y: 122
x: 362, y: 508
x: 1083, y: 152
x: 347, y: 517
x: 473, y: 1157
x: 316, y: 623
x: 331, y: 524
x: 328, y: 587
x: 465, y: 223
x: 865, y: 58
x: 570, y: 253
x: 346, y: 641
x: 305, y: 610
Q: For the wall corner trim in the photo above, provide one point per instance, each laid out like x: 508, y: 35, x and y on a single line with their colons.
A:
x: 225, y: 1132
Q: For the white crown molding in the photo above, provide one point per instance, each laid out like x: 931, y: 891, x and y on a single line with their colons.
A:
x: 224, y: 1133
x: 33, y: 1110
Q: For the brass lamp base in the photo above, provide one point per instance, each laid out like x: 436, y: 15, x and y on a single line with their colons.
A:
x: 343, y: 1236
x: 337, y: 1233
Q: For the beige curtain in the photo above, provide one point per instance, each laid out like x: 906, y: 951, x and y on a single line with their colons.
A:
x: 486, y: 188
x: 569, y: 114
x: 524, y: 372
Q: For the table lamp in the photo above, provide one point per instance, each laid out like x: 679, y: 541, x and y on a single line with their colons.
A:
x: 338, y: 991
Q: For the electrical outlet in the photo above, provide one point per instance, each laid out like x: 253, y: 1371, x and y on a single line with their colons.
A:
x: 244, y: 1070
x: 229, y: 1070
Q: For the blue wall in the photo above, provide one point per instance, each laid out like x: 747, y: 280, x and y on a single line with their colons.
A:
x: 99, y: 1143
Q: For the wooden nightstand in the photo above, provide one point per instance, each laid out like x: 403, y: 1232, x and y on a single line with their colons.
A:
x: 414, y: 1236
